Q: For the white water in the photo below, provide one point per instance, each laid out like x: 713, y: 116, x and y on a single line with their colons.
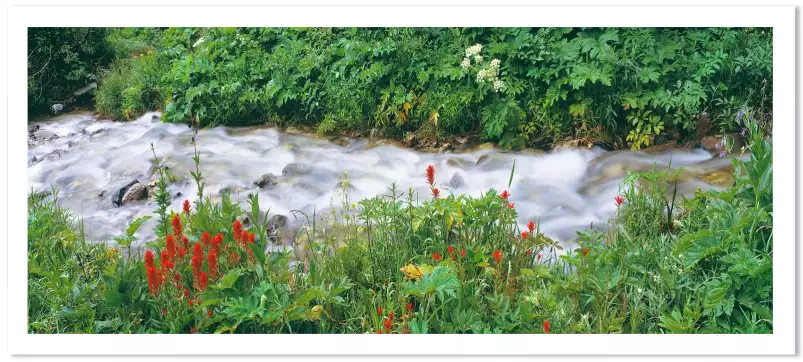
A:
x: 563, y: 190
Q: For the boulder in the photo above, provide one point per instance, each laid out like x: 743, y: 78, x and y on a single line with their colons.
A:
x: 117, y: 199
x: 295, y: 168
x: 266, y: 180
x: 457, y: 181
x: 136, y: 192
x: 273, y: 225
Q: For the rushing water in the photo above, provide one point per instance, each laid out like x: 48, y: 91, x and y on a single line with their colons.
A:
x: 566, y: 190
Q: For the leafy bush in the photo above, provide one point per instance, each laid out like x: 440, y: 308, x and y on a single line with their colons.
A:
x: 516, y: 86
x: 62, y: 60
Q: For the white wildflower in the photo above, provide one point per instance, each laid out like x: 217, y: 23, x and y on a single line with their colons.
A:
x: 478, y: 58
x: 199, y: 42
x: 656, y: 278
x: 495, y: 63
x: 498, y: 85
x: 680, y: 271
x: 473, y: 50
x: 465, y: 63
x: 639, y: 290
x: 481, y: 76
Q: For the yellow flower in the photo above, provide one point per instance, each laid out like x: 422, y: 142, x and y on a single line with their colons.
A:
x: 353, y: 205
x: 412, y: 272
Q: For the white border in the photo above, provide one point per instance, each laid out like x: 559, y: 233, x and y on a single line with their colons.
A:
x: 782, y: 19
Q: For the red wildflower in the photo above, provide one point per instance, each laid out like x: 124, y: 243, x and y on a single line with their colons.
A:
x: 197, y: 259
x: 203, y: 282
x: 212, y: 264
x: 498, y: 256
x: 436, y: 256
x: 531, y: 226
x: 205, y: 238
x: 538, y: 256
x: 187, y: 207
x: 436, y: 192
x: 504, y: 195
x: 164, y: 311
x: 511, y: 205
x: 379, y: 310
x: 216, y: 241
x: 546, y: 327
x: 154, y: 276
x: 186, y: 293
x: 524, y: 235
x: 585, y: 251
x: 186, y: 241
x: 463, y: 252
x: 209, y: 313
x: 189, y: 302
x: 234, y: 258
x: 177, y: 229
x: 192, y: 330
x: 619, y: 200
x: 431, y: 175
x: 251, y: 238
x: 237, y: 229
x: 170, y: 244
x: 450, y: 249
x: 177, y: 278
x: 528, y: 252
x: 405, y: 331
x: 167, y: 265
x: 409, y: 306
x: 387, y: 324
x: 148, y: 258
x: 378, y: 331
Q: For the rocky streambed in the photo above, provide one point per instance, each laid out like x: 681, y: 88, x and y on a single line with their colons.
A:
x: 90, y: 160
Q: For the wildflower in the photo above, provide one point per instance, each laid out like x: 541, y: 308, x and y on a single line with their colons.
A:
x: 379, y: 310
x: 353, y: 205
x: 177, y: 226
x: 450, y: 249
x: 387, y: 324
x: 405, y: 330
x: 498, y: 85
x: 495, y: 63
x: 538, y: 256
x: 504, y: 195
x: 511, y: 205
x: 166, y: 264
x: 170, y: 244
x: 192, y: 330
x: 409, y: 306
x: 524, y: 234
x: 177, y: 278
x: 546, y: 327
x: 197, y: 260
x: 209, y: 313
x: 481, y: 76
x: 431, y: 175
x: 203, y: 282
x: 237, y: 229
x: 390, y: 315
x: 436, y: 256
x: 189, y: 302
x: 498, y: 256
x: 585, y: 251
x: 205, y: 238
x: 164, y: 311
x: 463, y: 252
x: 186, y: 293
x: 251, y: 238
x: 216, y: 241
x: 154, y: 276
x: 619, y: 200
x: 531, y: 226
x: 528, y: 252
x: 436, y: 192
x: 639, y: 290
x: 234, y: 258
x: 378, y: 331
x: 213, y: 264
x: 465, y: 63
x: 187, y: 207
x: 199, y: 42
x: 723, y: 154
x: 473, y: 50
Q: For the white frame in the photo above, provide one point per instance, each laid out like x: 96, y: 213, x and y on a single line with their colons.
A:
x: 781, y: 18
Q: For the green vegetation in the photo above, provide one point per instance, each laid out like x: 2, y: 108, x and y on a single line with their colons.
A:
x: 518, y: 87
x: 450, y: 264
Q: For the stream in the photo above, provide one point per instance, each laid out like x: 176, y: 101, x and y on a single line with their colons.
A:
x: 88, y: 160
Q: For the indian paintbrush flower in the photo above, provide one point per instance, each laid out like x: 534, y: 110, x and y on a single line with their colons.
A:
x: 435, y: 192
x: 431, y: 175
x: 619, y: 200
x: 186, y: 207
x: 546, y: 327
x: 497, y: 256
x: 524, y: 235
x: 436, y: 256
x: 531, y: 226
x: 504, y: 195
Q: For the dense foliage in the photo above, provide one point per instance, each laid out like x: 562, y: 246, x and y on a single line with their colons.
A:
x: 395, y: 264
x: 62, y: 60
x: 515, y: 86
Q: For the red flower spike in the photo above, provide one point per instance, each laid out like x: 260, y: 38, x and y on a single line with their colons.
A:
x: 504, y: 195
x: 205, y: 238
x: 177, y: 229
x: 546, y: 327
x: 197, y: 260
x: 409, y: 306
x: 528, y: 252
x: 436, y: 256
x: 463, y: 252
x: 234, y: 257
x: 186, y: 241
x: 192, y: 330
x: 498, y: 256
x: 436, y: 192
x: 187, y: 207
x: 212, y: 264
x: 524, y: 235
x: 390, y: 315
x: 531, y: 226
x: 378, y: 331
x: 379, y: 310
x: 431, y: 175
x: 203, y: 282
x: 619, y: 200
x: 209, y: 313
x: 186, y: 293
x: 148, y: 258
x: 585, y: 251
x: 164, y: 311
x: 387, y: 324
x: 538, y: 256
x: 189, y: 302
x: 450, y: 249
x: 251, y: 238
x: 170, y: 244
x: 511, y: 205
x: 237, y: 229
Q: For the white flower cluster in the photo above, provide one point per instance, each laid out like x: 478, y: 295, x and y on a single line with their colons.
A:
x: 473, y: 50
x: 199, y: 42
x: 465, y: 63
x: 498, y: 85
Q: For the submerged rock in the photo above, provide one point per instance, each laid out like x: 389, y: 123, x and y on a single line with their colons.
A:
x: 117, y: 199
x: 266, y: 180
x: 273, y: 225
x: 457, y: 181
x: 136, y: 192
x: 296, y: 168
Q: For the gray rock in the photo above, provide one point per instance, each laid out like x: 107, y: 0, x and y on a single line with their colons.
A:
x: 266, y: 180
x: 457, y: 181
x: 273, y: 225
x: 295, y: 168
x: 136, y: 192
x: 117, y: 199
x: 56, y: 108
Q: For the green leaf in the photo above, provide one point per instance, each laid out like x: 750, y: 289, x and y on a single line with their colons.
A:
x: 134, y: 226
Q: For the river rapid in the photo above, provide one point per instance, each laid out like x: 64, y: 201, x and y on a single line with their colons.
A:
x: 89, y: 159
